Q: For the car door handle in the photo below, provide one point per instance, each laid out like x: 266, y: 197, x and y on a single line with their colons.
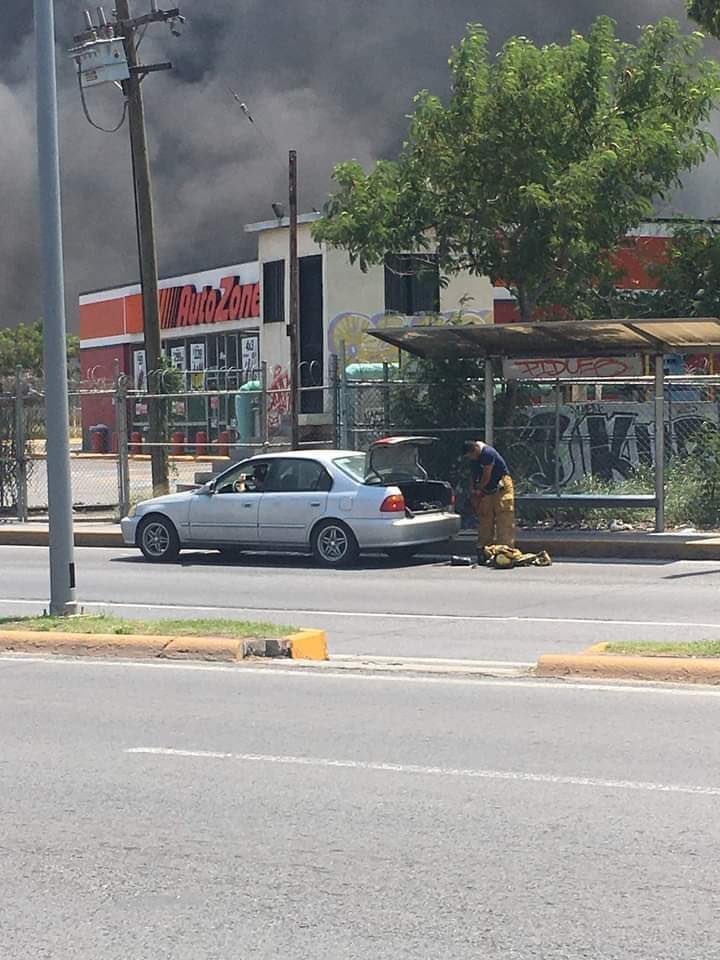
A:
x: 315, y: 503
x: 248, y: 506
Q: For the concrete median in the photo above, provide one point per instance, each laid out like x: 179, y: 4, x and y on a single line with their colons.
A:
x: 303, y: 645
x: 593, y: 663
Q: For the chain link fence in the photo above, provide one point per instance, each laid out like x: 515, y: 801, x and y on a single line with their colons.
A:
x: 556, y: 436
x: 209, y: 417
x: 567, y: 436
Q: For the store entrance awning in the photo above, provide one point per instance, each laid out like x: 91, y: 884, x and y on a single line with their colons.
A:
x: 565, y: 338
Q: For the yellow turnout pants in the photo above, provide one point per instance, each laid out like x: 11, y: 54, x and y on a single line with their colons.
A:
x: 496, y: 515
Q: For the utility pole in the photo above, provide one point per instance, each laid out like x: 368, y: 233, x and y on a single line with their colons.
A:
x: 146, y: 249
x: 62, y: 558
x: 95, y: 57
x: 294, y: 325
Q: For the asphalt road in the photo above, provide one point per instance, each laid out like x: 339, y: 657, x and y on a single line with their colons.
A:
x: 195, y: 811
x: 421, y: 609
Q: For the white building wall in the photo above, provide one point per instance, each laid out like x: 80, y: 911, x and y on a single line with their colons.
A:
x: 354, y: 301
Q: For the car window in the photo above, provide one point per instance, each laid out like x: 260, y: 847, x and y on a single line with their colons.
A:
x: 353, y: 466
x: 249, y: 477
x: 297, y: 476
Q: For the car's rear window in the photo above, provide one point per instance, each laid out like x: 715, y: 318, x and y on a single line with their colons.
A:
x: 353, y: 466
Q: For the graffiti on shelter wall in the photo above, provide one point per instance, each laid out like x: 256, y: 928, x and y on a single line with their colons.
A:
x: 607, y: 440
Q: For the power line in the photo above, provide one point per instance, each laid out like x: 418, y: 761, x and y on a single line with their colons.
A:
x: 87, y: 112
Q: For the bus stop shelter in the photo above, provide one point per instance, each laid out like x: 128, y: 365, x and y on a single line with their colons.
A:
x: 567, y: 338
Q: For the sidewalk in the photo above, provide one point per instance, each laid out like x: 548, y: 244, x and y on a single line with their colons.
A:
x: 566, y: 544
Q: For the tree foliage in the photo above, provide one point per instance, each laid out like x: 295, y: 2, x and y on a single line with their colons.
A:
x: 540, y: 162
x: 23, y: 346
x: 706, y: 13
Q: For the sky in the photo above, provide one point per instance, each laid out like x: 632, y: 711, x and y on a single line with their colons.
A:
x: 333, y: 79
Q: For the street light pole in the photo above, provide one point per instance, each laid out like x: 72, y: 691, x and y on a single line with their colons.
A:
x: 62, y: 562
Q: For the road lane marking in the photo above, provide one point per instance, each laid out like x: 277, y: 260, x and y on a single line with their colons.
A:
x: 372, y: 615
x: 409, y: 768
x: 301, y: 672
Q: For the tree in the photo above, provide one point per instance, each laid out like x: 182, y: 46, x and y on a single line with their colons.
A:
x: 706, y: 13
x: 539, y: 164
x: 23, y: 346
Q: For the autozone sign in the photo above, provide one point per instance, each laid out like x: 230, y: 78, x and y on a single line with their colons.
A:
x: 187, y: 306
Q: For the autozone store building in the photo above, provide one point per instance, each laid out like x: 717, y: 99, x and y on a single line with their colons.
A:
x: 230, y: 320
x: 220, y: 326
x: 209, y: 321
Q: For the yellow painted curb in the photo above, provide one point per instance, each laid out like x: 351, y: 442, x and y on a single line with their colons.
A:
x: 611, y: 667
x: 308, y: 645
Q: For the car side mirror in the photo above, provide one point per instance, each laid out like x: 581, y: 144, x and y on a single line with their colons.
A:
x: 208, y: 489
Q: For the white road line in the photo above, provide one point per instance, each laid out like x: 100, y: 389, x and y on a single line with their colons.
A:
x: 410, y: 768
x: 362, y: 614
x: 298, y: 672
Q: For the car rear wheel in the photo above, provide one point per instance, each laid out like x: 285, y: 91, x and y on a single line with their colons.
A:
x: 401, y: 554
x: 334, y: 544
x: 158, y: 540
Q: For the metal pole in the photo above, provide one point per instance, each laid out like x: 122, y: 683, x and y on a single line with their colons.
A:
x: 263, y: 404
x: 344, y: 404
x: 20, y: 441
x: 386, y: 398
x: 659, y: 444
x: 121, y: 427
x: 62, y: 559
x: 557, y: 438
x: 489, y: 402
x: 147, y: 254
x: 294, y: 325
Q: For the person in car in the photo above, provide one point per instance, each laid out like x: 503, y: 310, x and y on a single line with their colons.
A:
x: 492, y: 494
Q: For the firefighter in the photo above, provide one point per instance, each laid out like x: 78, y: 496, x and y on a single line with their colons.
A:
x: 492, y: 495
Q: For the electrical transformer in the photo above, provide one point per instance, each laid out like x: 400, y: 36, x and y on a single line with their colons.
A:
x: 101, y: 61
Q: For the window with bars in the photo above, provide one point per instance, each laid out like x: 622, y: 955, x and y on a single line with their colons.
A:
x: 274, y: 291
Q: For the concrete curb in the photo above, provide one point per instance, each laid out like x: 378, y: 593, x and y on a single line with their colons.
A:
x: 598, y: 546
x: 304, y: 645
x: 593, y: 663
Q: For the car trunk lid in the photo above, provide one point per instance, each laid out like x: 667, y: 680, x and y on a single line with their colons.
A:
x: 395, y: 461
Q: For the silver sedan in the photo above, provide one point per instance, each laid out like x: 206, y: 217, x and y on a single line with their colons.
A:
x: 332, y: 503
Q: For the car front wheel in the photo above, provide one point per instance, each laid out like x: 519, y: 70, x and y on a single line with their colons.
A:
x: 334, y: 544
x: 158, y: 540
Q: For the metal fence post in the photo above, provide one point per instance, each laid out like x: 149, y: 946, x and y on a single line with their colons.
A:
x: 20, y: 452
x: 386, y: 398
x: 263, y: 404
x: 489, y: 387
x: 344, y: 405
x: 557, y: 437
x: 333, y: 394
x: 121, y: 427
x: 659, y: 444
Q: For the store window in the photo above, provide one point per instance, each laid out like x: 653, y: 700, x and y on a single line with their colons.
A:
x: 274, y: 291
x: 412, y: 283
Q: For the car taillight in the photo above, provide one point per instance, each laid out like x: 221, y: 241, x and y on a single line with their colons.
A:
x: 395, y: 503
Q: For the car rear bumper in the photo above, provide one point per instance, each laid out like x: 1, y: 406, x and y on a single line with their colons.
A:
x: 129, y: 525
x: 406, y: 531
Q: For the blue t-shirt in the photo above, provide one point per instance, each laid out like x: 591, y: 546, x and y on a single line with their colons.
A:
x: 489, y: 455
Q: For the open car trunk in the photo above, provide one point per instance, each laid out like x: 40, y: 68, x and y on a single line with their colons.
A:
x: 396, y: 461
x: 426, y: 496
